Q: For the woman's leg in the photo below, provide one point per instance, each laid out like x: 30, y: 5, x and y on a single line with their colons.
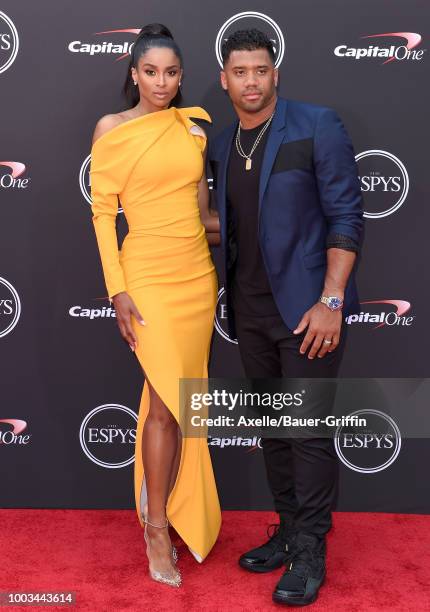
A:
x: 159, y: 455
x: 176, y: 460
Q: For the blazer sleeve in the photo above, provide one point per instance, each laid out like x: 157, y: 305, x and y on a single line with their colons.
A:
x: 337, y: 177
x: 107, y: 176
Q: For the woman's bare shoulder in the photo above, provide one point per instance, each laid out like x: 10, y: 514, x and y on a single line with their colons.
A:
x: 107, y: 123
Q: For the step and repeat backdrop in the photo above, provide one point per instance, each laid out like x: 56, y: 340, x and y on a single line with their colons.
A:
x: 70, y: 386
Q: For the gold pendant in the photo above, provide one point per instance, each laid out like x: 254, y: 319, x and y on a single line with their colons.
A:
x: 248, y: 163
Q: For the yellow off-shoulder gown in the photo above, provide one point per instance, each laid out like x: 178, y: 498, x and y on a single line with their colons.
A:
x: 153, y: 164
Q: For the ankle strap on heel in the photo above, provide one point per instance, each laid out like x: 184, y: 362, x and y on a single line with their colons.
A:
x: 145, y: 520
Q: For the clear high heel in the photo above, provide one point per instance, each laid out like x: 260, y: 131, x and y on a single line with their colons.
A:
x: 172, y: 580
x: 175, y: 554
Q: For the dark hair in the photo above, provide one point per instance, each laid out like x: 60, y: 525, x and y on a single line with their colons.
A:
x: 150, y: 36
x: 246, y: 40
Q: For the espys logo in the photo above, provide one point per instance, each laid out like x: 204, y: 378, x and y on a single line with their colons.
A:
x: 11, y: 179
x: 384, y: 182
x: 221, y: 316
x: 105, y: 312
x: 371, y: 448
x: 108, y: 435
x: 392, y: 318
x: 9, y: 42
x: 252, y: 444
x: 252, y: 19
x: 85, y: 181
x: 389, y: 51
x: 106, y: 47
x: 14, y: 435
x: 10, y: 307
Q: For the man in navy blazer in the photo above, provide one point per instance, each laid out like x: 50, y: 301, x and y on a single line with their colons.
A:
x: 291, y: 219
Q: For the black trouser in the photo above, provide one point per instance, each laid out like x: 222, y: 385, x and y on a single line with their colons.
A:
x: 302, y: 472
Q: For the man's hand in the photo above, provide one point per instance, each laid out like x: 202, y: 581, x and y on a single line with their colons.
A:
x: 323, y: 324
x: 125, y: 308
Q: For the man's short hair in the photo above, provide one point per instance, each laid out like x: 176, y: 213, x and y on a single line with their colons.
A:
x: 246, y: 40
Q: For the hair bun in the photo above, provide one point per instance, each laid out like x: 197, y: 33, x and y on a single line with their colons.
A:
x: 155, y: 30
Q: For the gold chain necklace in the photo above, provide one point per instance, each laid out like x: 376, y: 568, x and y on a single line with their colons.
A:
x: 248, y: 163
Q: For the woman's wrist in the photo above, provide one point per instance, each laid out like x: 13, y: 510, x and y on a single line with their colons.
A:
x: 112, y: 297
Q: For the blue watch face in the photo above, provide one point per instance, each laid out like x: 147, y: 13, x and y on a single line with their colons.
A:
x: 335, y: 302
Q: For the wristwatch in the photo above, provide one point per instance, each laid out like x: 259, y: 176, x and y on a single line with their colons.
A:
x: 333, y: 302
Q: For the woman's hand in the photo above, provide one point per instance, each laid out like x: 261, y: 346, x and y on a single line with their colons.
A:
x: 124, y: 309
x: 213, y: 239
x: 208, y: 216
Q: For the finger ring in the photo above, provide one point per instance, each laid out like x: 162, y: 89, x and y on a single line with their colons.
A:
x: 327, y: 341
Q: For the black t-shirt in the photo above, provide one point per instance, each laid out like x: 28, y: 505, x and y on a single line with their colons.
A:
x: 251, y: 291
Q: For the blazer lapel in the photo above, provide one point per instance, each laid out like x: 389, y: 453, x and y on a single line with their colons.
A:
x: 222, y: 178
x: 274, y: 140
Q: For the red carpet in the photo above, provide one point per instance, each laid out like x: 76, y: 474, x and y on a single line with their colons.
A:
x: 375, y: 562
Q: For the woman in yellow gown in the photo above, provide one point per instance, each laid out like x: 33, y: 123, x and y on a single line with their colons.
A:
x: 164, y: 289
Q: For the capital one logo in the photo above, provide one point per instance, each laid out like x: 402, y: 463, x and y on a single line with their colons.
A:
x: 9, y: 42
x: 121, y: 47
x: 384, y: 314
x: 221, y: 317
x: 368, y: 448
x: 10, y: 307
x: 85, y: 181
x: 384, y: 182
x: 108, y: 434
x: 406, y: 50
x: 12, y: 177
x: 92, y: 314
x: 11, y: 432
x: 251, y: 444
x: 247, y: 20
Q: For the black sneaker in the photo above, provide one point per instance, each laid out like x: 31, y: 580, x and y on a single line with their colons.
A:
x: 305, y: 573
x: 273, y: 553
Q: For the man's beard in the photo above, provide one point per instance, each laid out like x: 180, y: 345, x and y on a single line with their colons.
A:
x: 258, y: 105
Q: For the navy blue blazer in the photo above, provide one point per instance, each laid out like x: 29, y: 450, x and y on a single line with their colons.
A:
x: 309, y: 188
